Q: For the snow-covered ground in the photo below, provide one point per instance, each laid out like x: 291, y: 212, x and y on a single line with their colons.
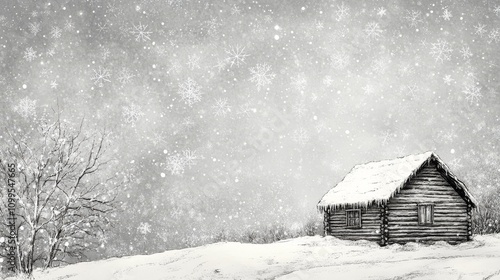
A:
x: 297, y: 259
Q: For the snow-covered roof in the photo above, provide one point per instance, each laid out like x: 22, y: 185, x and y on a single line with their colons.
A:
x: 377, y: 182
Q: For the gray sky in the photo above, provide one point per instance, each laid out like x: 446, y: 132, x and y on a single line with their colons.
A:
x: 237, y: 114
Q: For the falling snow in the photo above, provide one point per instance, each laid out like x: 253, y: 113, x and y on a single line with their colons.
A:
x: 441, y: 50
x: 30, y: 54
x: 26, y: 107
x: 190, y: 92
x: 236, y: 55
x: 132, y: 113
x: 221, y: 108
x: 140, y: 33
x: 237, y: 115
x: 261, y: 75
x: 100, y: 76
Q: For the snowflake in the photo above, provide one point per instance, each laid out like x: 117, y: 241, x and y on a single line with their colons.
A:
x: 55, y: 32
x: 386, y: 136
x: 406, y: 70
x: 261, y: 75
x: 414, y: 17
x: 301, y: 136
x: 472, y: 93
x: 176, y: 213
x: 26, y: 107
x: 340, y: 60
x: 158, y: 138
x: 54, y: 84
x: 235, y: 10
x: 140, y: 33
x: 381, y: 11
x: 327, y: 81
x: 447, y: 137
x: 125, y: 76
x: 132, y: 113
x: 441, y: 50
x: 380, y: 65
x: 105, y: 53
x: 368, y: 89
x: 221, y: 64
x: 178, y: 162
x: 321, y: 127
x: 245, y: 110
x: 51, y: 52
x: 299, y: 109
x: 175, y: 67
x: 190, y: 92
x: 448, y: 79
x: 174, y: 3
x: 34, y: 28
x: 144, y: 228
x: 480, y: 29
x: 471, y: 75
x: 494, y: 36
x: 268, y: 18
x: 412, y: 90
x: 175, y: 164
x: 496, y: 10
x: 221, y: 108
x: 319, y: 24
x: 466, y: 53
x: 193, y: 62
x: 100, y: 76
x: 299, y: 82
x: 236, y: 55
x: 102, y: 28
x: 446, y: 14
x: 341, y: 12
x: 456, y: 163
x: 187, y: 123
x: 189, y: 158
x: 29, y: 54
x: 69, y: 25
x: 258, y: 29
x: 212, y: 26
x: 372, y: 30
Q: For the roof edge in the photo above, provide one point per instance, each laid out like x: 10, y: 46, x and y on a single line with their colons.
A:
x: 442, y: 167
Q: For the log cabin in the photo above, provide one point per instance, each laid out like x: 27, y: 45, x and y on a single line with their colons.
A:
x: 415, y: 198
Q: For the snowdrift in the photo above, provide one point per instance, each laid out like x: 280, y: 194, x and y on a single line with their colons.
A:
x: 299, y: 259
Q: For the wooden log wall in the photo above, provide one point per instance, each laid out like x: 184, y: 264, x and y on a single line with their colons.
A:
x: 451, y: 212
x: 384, y: 230
x: 370, y: 224
x: 326, y: 224
x: 469, y: 221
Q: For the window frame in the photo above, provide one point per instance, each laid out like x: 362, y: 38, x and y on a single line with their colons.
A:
x: 347, y: 211
x: 427, y: 207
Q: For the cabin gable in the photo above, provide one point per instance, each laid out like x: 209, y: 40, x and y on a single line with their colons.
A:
x: 428, y: 208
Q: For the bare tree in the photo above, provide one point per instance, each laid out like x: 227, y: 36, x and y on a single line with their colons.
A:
x: 64, y: 194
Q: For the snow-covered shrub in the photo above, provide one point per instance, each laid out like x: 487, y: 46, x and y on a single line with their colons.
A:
x: 250, y: 236
x: 486, y: 217
x: 314, y: 226
x: 274, y: 233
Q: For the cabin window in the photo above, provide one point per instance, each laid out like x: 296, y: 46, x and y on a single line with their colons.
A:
x: 353, y: 218
x: 425, y: 214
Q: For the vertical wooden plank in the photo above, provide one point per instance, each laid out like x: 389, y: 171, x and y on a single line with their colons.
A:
x: 326, y: 222
x: 384, y: 230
